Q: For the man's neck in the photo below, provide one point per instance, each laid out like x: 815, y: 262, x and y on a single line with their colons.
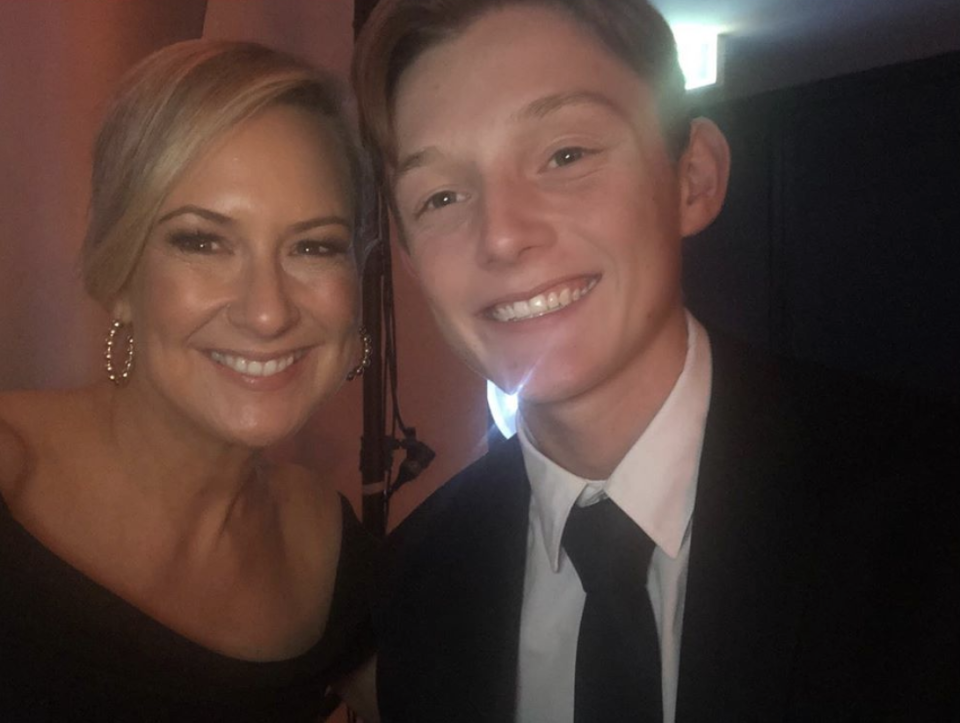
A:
x: 591, y: 433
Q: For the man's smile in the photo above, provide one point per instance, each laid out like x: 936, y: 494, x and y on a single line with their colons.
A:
x: 558, y: 297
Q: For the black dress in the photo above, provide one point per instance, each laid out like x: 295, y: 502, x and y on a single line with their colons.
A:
x: 71, y: 650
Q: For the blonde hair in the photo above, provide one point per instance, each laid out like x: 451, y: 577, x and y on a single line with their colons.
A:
x: 167, y: 111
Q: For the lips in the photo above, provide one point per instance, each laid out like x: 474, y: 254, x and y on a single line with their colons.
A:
x: 558, y: 297
x: 256, y: 367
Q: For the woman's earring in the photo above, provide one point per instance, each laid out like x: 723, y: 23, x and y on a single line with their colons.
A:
x: 121, y: 377
x: 367, y: 356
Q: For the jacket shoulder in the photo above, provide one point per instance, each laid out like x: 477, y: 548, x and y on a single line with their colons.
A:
x: 489, y: 487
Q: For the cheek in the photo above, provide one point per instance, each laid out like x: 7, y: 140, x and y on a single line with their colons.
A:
x: 634, y: 221
x: 167, y: 301
x: 444, y: 283
x: 335, y: 300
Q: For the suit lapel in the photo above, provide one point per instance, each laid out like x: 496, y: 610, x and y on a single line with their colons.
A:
x: 748, y: 562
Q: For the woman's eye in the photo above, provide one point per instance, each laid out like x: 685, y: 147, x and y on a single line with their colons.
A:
x: 196, y: 242
x: 566, y: 156
x: 312, y: 248
x: 320, y: 248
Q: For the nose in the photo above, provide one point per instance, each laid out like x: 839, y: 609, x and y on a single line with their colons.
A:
x: 515, y: 221
x: 263, y: 304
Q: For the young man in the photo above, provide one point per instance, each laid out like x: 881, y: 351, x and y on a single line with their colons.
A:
x: 681, y: 530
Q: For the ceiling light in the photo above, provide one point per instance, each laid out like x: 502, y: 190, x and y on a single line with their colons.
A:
x: 698, y: 48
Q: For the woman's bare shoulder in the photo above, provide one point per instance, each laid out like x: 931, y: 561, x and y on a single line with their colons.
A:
x: 14, y: 446
x: 30, y: 421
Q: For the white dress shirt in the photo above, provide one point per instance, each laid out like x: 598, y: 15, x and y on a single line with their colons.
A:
x: 655, y: 484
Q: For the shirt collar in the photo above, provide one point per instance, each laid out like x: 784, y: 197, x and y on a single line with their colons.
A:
x: 656, y: 482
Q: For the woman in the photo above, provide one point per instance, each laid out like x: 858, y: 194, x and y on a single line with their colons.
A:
x: 154, y: 565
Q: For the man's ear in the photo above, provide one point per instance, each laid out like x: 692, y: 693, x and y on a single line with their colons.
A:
x: 703, y: 169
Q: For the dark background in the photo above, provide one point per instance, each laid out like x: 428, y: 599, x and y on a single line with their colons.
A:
x: 840, y: 239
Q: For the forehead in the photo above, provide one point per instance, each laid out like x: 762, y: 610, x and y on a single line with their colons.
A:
x: 502, y: 63
x: 281, y: 146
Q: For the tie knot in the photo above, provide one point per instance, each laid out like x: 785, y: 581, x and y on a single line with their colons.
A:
x: 607, y: 548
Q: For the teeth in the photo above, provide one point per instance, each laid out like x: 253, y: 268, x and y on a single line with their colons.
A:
x: 541, y: 304
x: 253, y: 368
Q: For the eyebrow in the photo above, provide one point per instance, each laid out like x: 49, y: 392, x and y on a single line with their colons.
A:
x: 543, y: 107
x: 196, y: 211
x: 320, y: 221
x: 535, y: 110
x: 223, y: 220
x: 415, y: 160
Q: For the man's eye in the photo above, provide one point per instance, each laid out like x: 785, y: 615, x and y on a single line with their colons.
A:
x: 439, y: 200
x: 566, y: 156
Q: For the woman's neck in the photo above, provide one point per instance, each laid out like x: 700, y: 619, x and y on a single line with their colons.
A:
x: 192, y: 477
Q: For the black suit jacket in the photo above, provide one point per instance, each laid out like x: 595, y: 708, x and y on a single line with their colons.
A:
x: 824, y: 580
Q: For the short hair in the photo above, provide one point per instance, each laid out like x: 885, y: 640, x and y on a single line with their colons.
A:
x: 164, y: 116
x: 399, y: 31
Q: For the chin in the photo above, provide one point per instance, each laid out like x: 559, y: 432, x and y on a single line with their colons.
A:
x: 544, y: 386
x: 258, y: 440
x: 260, y: 433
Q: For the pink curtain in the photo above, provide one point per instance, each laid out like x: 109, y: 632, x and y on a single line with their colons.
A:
x: 58, y: 61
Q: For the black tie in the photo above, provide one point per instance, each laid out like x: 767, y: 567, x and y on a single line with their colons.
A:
x: 618, y: 651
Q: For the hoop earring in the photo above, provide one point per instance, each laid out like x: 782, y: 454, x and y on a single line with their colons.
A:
x: 123, y: 376
x: 364, y: 364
